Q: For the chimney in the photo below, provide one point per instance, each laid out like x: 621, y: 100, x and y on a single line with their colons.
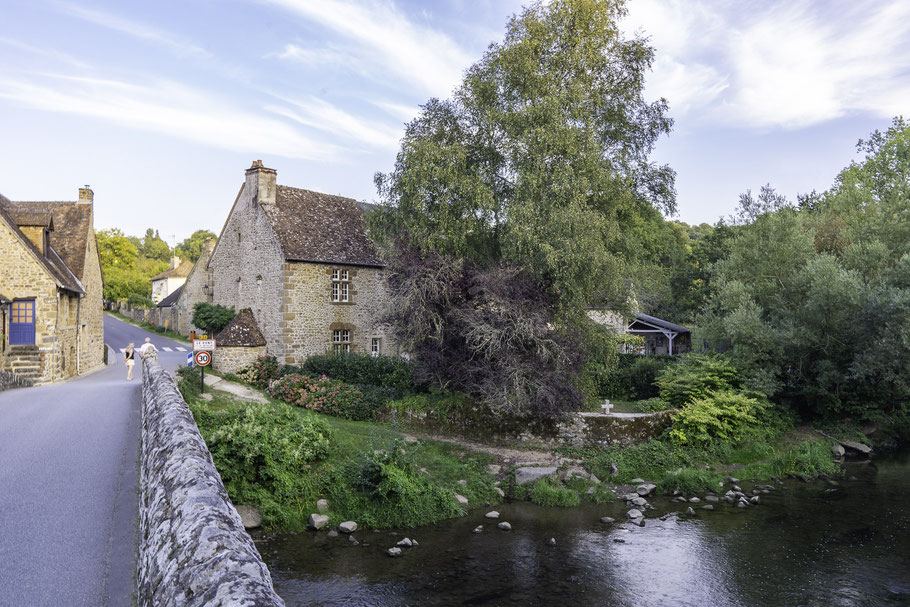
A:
x: 260, y: 181
x: 175, y: 261
x: 86, y: 194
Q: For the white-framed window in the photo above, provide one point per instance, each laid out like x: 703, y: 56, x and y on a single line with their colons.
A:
x: 341, y: 287
x: 341, y: 341
x: 375, y: 346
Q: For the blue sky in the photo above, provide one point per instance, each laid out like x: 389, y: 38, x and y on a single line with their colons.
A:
x: 160, y: 106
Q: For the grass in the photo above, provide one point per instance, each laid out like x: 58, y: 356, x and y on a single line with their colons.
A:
x: 549, y: 492
x: 371, y: 475
x: 148, y: 327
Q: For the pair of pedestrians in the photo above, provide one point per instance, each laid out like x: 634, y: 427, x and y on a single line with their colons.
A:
x: 129, y: 355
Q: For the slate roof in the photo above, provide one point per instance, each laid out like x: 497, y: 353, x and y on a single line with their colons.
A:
x: 171, y: 299
x: 664, y: 324
x: 71, y: 222
x: 52, y: 262
x: 181, y: 271
x: 240, y: 332
x: 320, y: 228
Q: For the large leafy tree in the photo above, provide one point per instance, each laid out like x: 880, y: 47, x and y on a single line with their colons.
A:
x: 541, y: 156
x: 536, y: 174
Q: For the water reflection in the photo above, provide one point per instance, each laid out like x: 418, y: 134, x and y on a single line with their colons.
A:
x: 808, y: 545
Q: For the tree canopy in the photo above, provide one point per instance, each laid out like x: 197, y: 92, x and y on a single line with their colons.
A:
x: 540, y: 158
x: 191, y: 248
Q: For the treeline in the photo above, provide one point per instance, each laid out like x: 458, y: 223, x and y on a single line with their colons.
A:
x: 129, y: 262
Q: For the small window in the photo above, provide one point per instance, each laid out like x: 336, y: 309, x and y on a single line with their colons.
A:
x: 374, y: 346
x: 335, y: 290
x: 344, y: 291
x: 334, y: 274
x: 239, y: 237
x: 341, y: 290
x: 344, y: 275
x: 341, y: 341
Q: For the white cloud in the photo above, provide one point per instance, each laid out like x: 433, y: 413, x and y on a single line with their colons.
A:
x: 385, y: 38
x: 45, y: 52
x: 134, y: 29
x: 319, y: 114
x: 777, y: 65
x: 403, y: 112
x: 167, y: 108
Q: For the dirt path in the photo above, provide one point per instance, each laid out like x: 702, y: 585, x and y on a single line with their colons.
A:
x: 505, y: 455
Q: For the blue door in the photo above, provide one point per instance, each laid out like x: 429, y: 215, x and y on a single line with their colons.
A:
x: 22, y: 323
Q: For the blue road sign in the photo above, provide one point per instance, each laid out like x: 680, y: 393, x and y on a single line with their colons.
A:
x: 189, y: 359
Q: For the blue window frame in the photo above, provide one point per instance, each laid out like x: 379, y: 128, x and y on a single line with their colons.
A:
x: 22, y: 323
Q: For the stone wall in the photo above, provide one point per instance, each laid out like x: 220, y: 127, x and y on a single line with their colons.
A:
x: 196, y: 289
x: 228, y: 359
x: 9, y: 381
x: 310, y: 315
x: 576, y: 430
x: 248, y: 269
x: 193, y: 549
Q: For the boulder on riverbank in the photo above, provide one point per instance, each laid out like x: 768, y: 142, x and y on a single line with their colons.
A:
x: 527, y: 475
x: 317, y: 521
x: 249, y: 515
x: 347, y: 527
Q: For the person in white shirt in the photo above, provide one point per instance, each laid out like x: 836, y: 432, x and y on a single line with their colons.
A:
x: 143, y: 350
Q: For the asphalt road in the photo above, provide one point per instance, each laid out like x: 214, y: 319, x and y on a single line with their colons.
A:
x: 69, y: 457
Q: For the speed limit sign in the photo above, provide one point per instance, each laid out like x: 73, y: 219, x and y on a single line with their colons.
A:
x: 203, y: 358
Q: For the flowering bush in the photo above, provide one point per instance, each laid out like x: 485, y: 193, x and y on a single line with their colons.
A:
x: 261, y: 373
x: 289, y: 387
x: 335, y: 398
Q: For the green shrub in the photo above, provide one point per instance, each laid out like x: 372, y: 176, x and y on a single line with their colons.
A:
x: 288, y: 387
x: 335, y: 398
x: 139, y: 302
x: 262, y: 447
x: 212, y: 318
x: 724, y: 416
x: 441, y: 403
x: 689, y: 481
x: 653, y: 405
x: 386, y: 371
x: 633, y: 376
x: 189, y: 382
x: 548, y: 492
x: 695, y: 376
x: 260, y: 373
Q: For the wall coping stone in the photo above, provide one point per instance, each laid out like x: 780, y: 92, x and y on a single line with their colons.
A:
x: 194, y: 550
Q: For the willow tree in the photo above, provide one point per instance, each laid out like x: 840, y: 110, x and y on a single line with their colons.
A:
x: 540, y: 158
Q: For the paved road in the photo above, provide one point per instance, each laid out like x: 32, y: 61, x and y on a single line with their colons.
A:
x: 68, y: 484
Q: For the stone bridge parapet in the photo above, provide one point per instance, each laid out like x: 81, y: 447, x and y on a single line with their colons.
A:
x: 193, y: 549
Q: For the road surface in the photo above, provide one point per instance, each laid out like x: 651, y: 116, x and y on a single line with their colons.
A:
x: 69, y: 457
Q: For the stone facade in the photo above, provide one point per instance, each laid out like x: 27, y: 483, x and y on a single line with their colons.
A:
x: 196, y: 289
x: 193, y: 549
x: 230, y: 359
x: 276, y: 254
x: 68, y: 322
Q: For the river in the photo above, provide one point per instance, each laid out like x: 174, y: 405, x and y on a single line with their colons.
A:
x: 806, y: 544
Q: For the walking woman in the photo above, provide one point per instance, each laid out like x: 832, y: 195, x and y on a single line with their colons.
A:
x: 129, y: 356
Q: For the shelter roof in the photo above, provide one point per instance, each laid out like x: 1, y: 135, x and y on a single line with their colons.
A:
x: 658, y: 322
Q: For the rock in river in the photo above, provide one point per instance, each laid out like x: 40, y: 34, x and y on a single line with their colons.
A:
x: 492, y: 514
x: 347, y: 527
x: 607, y: 520
x: 690, y: 511
x: 523, y: 476
x: 249, y: 515
x: 634, y: 513
x: 646, y: 489
x: 317, y: 521
x: 393, y: 552
x: 837, y: 451
x: 405, y: 542
x: 505, y: 526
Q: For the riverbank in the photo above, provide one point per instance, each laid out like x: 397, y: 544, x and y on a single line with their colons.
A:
x: 380, y: 477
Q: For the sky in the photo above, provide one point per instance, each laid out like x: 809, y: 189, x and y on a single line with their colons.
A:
x: 160, y: 106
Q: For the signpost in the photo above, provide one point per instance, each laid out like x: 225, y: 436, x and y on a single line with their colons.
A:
x: 202, y: 355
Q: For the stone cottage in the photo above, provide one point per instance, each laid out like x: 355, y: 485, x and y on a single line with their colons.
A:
x: 171, y: 279
x: 196, y: 289
x: 51, y: 323
x: 303, y: 264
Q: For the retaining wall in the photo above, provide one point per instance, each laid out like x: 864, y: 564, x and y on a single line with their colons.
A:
x: 193, y: 548
x: 574, y: 430
x: 11, y: 380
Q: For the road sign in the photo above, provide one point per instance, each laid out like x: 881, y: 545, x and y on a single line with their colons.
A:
x: 203, y: 344
x: 189, y: 359
x: 203, y: 358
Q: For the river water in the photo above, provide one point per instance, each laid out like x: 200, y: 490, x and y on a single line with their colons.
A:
x: 806, y: 544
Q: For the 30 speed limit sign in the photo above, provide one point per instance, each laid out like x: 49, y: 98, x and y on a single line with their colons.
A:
x: 203, y: 358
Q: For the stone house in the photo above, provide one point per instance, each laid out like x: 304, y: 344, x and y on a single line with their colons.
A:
x: 171, y: 279
x: 165, y: 313
x: 302, y: 263
x: 51, y: 319
x: 196, y: 289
